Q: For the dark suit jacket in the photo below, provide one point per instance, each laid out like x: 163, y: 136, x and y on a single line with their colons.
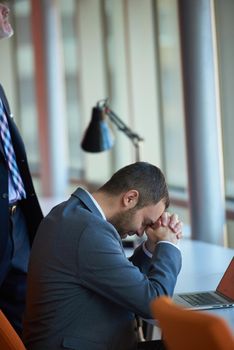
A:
x: 83, y: 292
x: 30, y: 205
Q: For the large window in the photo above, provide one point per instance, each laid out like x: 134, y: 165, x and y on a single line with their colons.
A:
x: 129, y: 51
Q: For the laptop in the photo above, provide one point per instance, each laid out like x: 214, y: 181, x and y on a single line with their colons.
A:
x: 222, y: 297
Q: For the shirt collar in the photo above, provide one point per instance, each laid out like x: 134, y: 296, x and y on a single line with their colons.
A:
x: 96, y: 204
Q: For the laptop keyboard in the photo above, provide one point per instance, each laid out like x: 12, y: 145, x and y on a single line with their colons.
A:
x: 202, y: 299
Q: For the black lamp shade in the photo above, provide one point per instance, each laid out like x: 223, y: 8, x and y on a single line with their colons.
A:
x: 98, y: 136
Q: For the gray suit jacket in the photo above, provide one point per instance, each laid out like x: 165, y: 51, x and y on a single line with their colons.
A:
x: 83, y: 293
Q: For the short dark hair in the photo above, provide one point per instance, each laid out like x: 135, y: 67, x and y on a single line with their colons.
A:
x: 144, y: 177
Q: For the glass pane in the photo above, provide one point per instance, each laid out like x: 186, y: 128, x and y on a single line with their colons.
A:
x: 171, y: 89
x: 26, y: 112
x: 225, y: 30
x: 71, y: 64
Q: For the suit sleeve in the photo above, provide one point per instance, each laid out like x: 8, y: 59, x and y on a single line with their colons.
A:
x: 103, y: 268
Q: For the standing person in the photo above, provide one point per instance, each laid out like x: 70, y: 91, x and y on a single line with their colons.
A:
x: 83, y: 293
x: 20, y: 213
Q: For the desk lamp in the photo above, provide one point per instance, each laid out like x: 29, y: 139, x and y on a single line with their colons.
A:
x: 98, y: 136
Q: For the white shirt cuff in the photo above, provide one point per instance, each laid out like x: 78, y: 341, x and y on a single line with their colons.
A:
x: 149, y: 254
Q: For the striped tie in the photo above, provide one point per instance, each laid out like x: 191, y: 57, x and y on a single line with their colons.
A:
x: 10, y: 154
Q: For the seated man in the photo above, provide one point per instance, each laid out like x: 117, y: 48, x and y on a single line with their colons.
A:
x: 83, y: 293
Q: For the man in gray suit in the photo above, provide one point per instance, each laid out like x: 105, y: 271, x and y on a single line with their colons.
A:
x: 83, y: 293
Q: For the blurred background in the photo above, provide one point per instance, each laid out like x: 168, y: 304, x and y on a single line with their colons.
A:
x: 66, y: 55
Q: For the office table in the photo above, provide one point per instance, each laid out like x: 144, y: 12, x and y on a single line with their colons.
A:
x: 203, y: 266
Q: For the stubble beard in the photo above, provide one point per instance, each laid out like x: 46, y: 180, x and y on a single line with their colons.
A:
x: 122, y: 222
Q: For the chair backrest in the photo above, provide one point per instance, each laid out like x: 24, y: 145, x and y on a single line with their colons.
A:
x: 184, y: 329
x: 9, y: 339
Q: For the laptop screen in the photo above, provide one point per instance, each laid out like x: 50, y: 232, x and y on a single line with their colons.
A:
x: 226, y: 285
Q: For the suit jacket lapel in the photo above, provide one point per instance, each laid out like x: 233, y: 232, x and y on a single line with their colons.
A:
x: 17, y: 141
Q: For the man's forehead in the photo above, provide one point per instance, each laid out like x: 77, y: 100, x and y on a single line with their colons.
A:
x: 155, y: 209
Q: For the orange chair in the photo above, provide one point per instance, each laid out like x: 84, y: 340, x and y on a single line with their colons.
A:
x: 9, y: 339
x: 183, y: 329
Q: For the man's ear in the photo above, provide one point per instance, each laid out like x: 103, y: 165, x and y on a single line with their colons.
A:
x: 130, y: 199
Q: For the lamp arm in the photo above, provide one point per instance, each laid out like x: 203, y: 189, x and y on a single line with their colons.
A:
x: 135, y: 138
